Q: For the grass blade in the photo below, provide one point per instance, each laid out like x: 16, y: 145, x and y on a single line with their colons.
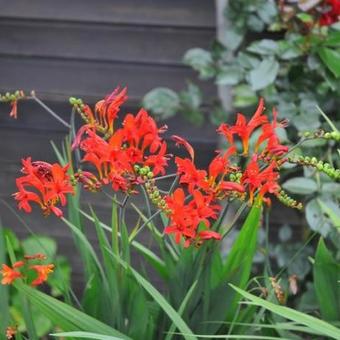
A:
x: 157, y: 296
x: 65, y: 316
x: 86, y: 335
x: 309, y: 321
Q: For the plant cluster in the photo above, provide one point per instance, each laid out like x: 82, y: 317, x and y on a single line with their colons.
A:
x: 201, y: 288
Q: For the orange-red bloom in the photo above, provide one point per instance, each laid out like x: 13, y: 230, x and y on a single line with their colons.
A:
x: 331, y: 13
x: 45, y: 184
x: 264, y: 181
x: 42, y: 271
x: 137, y: 142
x: 11, y: 332
x: 244, y: 129
x: 186, y: 217
x: 9, y: 275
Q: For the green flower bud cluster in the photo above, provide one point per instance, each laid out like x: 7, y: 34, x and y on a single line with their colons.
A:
x: 12, y: 97
x: 150, y: 185
x: 288, y: 201
x: 235, y: 177
x: 321, y: 166
x: 78, y: 104
x: 334, y: 135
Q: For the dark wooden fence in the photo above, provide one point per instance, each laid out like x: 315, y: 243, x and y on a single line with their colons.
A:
x: 86, y: 48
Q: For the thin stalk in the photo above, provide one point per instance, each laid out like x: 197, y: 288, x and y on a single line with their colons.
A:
x: 164, y: 177
x: 73, y: 136
x: 236, y: 217
x: 267, y: 262
x: 147, y: 201
x: 145, y: 223
x: 173, y: 185
x: 50, y: 111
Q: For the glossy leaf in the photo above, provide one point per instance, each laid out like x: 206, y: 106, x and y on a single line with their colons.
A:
x: 264, y: 75
x: 326, y: 283
x: 300, y: 185
x: 331, y: 59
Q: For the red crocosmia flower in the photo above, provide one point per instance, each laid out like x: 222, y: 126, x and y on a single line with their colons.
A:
x: 231, y: 186
x: 158, y: 161
x: 137, y: 142
x: 108, y: 108
x: 103, y: 119
x: 208, y: 235
x: 14, y: 109
x: 331, y: 14
x: 185, y: 218
x: 244, y: 129
x: 203, y: 207
x: 181, y: 141
x: 182, y: 218
x: 42, y: 271
x: 11, y: 332
x: 45, y: 184
x: 190, y: 175
x: 269, y: 134
x: 264, y: 181
x: 10, y: 274
x: 37, y: 256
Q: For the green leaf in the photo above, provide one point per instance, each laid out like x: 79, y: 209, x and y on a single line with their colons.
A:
x: 85, y: 335
x: 287, y: 50
x: 37, y: 244
x: 263, y: 47
x: 311, y: 322
x: 330, y: 213
x: 65, y: 316
x: 157, y: 296
x: 191, y: 100
x: 326, y: 283
x: 333, y: 39
x: 331, y: 188
x: 181, y: 309
x: 229, y: 75
x: 201, y: 61
x: 244, y: 96
x: 331, y: 59
x: 264, y: 75
x: 237, y: 267
x: 300, y: 185
x: 316, y: 219
x: 305, y: 17
x: 162, y: 101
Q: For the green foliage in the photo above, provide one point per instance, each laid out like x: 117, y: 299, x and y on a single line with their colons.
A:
x: 311, y: 324
x: 326, y: 283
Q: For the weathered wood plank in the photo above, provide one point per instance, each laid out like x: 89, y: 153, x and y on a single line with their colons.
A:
x: 100, y: 42
x: 189, y: 13
x: 60, y: 78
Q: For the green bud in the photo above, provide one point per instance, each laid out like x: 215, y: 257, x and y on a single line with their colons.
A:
x: 319, y: 166
x: 72, y: 100
x: 306, y: 134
